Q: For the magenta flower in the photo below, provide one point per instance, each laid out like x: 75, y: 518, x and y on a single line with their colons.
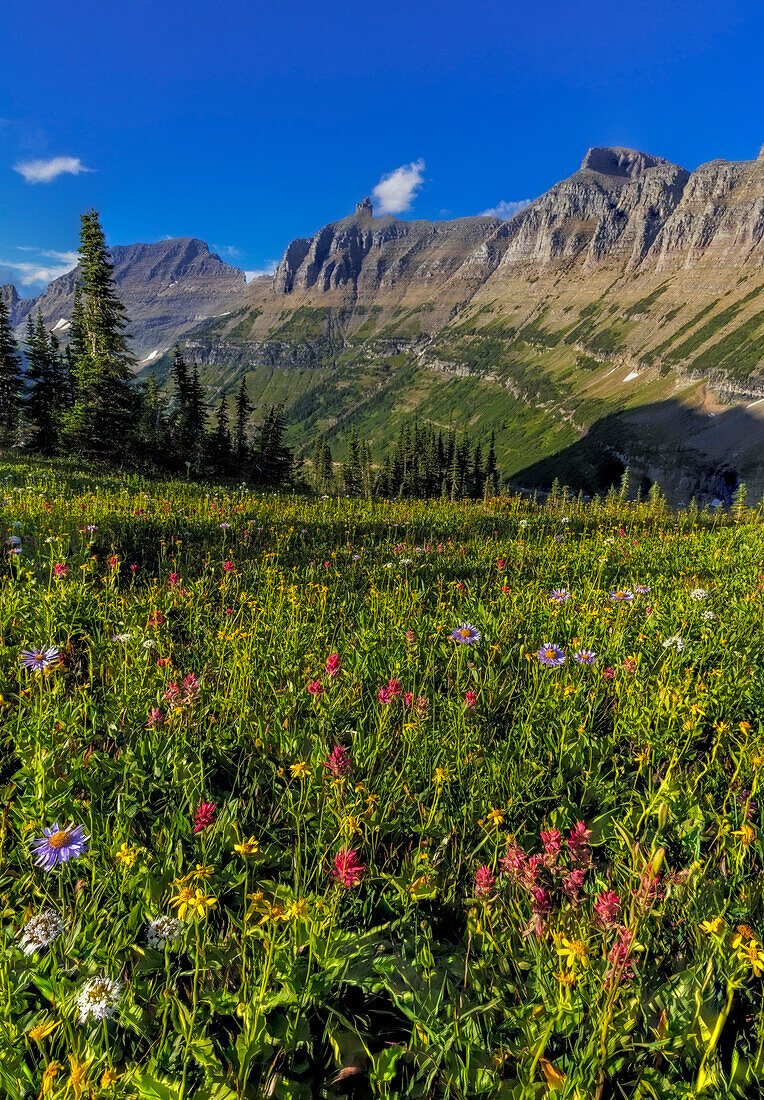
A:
x: 333, y: 665
x: 384, y: 696
x: 552, y: 841
x: 485, y: 883
x: 172, y: 694
x: 578, y: 843
x: 573, y: 883
x: 156, y: 717
x: 470, y: 700
x: 314, y: 687
x: 60, y: 570
x: 608, y: 908
x: 204, y: 816
x: 513, y: 864
x: 59, y: 845
x: 190, y: 689
x: 620, y: 958
x: 348, y: 869
x: 395, y: 687
x: 228, y: 566
x: 172, y: 580
x: 339, y: 762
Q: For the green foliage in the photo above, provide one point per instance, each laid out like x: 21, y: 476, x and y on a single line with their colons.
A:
x: 198, y: 629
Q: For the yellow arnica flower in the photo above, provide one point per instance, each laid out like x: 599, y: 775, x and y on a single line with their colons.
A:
x: 746, y: 833
x: 439, y: 776
x: 109, y: 1077
x: 753, y: 957
x: 574, y: 953
x: 52, y: 1070
x: 496, y: 817
x: 711, y: 927
x: 565, y: 977
x: 77, y: 1075
x: 744, y: 933
x: 247, y: 847
x: 126, y: 855
x: 43, y: 1030
x: 299, y: 770
x: 198, y: 905
x: 298, y: 910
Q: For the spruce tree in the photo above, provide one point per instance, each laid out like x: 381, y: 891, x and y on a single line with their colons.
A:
x: 98, y: 424
x: 243, y: 409
x: 10, y: 380
x: 221, y: 439
x: 40, y: 403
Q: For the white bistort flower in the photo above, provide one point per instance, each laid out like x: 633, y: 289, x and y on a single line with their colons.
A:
x: 674, y: 642
x: 699, y: 594
x: 40, y: 931
x: 98, y: 998
x: 163, y: 930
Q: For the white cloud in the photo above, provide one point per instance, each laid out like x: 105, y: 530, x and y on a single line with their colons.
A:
x: 226, y: 250
x: 269, y: 268
x: 506, y: 209
x: 395, y: 192
x: 39, y: 274
x: 45, y: 171
x: 70, y: 258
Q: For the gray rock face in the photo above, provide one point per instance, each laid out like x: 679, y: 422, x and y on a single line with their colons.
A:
x: 167, y: 288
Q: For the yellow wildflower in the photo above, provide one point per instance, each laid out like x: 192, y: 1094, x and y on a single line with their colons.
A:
x: 247, y: 847
x: 109, y: 1077
x: 711, y: 927
x: 744, y: 932
x: 746, y: 833
x: 753, y: 957
x: 77, y: 1073
x: 43, y: 1030
x: 496, y: 817
x: 126, y: 855
x: 299, y: 770
x: 574, y: 953
x: 202, y: 873
x: 565, y: 977
x: 297, y: 910
x: 439, y: 776
x: 49, y: 1076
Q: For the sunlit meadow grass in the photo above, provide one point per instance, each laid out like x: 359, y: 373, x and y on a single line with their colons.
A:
x: 335, y: 844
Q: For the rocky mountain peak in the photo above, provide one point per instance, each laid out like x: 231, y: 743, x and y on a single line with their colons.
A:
x: 619, y: 161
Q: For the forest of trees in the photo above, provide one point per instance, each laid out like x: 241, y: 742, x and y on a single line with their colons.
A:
x: 423, y: 463
x: 82, y: 400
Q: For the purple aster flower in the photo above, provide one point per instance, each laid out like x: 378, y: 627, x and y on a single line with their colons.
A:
x: 559, y: 595
x: 551, y: 655
x: 585, y: 657
x: 39, y: 660
x: 642, y: 589
x: 59, y: 845
x: 621, y: 595
x: 465, y: 634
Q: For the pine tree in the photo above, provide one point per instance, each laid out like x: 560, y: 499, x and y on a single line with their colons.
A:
x: 99, y: 423
x: 272, y: 460
x: 326, y: 475
x: 221, y: 438
x: 197, y: 421
x: 10, y: 380
x: 243, y: 409
x: 351, y: 469
x: 40, y: 403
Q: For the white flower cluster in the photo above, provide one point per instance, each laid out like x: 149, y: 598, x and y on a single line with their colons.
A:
x: 699, y: 594
x: 98, y: 998
x: 674, y: 642
x: 163, y: 930
x: 40, y: 931
x: 708, y: 615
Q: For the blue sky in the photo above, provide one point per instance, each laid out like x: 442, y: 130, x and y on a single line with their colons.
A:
x: 248, y: 124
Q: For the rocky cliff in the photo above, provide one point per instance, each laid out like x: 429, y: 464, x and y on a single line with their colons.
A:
x: 167, y: 287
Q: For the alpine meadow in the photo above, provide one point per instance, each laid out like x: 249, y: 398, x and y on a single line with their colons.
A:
x: 382, y: 551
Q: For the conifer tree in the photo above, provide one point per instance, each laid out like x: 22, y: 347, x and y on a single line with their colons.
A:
x: 99, y: 422
x: 10, y: 380
x: 221, y: 439
x: 243, y: 409
x: 40, y: 403
x: 326, y: 475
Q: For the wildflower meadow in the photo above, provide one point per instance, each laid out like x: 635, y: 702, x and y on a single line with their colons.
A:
x: 323, y: 797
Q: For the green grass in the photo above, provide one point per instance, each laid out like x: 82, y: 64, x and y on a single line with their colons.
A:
x: 219, y: 647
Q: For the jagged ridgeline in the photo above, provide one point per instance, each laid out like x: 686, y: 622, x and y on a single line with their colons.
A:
x: 616, y: 320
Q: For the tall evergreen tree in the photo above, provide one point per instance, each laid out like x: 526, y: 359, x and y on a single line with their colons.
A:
x: 221, y: 438
x: 99, y: 422
x: 41, y: 398
x: 10, y: 380
x: 243, y: 409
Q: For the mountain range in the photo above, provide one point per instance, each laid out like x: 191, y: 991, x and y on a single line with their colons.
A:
x: 617, y: 319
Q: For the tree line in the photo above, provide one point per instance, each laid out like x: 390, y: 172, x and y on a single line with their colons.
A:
x: 82, y: 399
x: 423, y: 462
